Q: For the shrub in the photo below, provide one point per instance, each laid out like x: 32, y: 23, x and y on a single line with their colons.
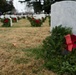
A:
x: 19, y: 18
x: 43, y: 19
x: 14, y: 19
x: 6, y: 22
x: 56, y: 42
x: 35, y: 22
x: 56, y: 57
x: 2, y: 20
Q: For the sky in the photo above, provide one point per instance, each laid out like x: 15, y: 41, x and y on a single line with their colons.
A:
x: 21, y: 7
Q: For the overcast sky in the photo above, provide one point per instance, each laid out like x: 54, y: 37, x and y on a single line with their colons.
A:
x: 20, y: 7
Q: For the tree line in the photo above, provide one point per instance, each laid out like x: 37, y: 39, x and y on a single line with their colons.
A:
x: 6, y: 6
x: 37, y: 4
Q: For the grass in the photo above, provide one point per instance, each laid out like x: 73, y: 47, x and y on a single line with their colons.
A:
x: 19, y: 46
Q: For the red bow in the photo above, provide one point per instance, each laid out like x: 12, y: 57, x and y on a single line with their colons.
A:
x: 70, y: 41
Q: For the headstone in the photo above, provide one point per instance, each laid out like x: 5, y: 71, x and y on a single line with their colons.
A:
x: 7, y: 22
x: 14, y: 16
x: 19, y: 16
x: 38, y: 16
x: 10, y: 21
x: 64, y: 13
x: 24, y: 16
x: 2, y: 16
x: 8, y: 16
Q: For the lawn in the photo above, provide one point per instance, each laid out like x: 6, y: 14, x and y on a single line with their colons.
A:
x: 16, y: 49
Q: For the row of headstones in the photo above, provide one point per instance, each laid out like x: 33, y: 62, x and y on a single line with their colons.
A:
x: 36, y: 16
x: 39, y: 16
x: 64, y: 13
x: 17, y: 17
x: 12, y: 16
x: 9, y: 17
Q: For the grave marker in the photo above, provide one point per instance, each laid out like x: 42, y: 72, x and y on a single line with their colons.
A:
x: 64, y: 13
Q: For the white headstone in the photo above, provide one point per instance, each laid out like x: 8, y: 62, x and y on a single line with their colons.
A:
x: 7, y: 16
x: 10, y: 21
x: 64, y: 13
x: 2, y: 16
x: 19, y: 16
x: 38, y: 16
x: 14, y: 16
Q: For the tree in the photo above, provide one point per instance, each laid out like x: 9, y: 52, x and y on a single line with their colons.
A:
x: 47, y: 6
x: 37, y: 6
x: 4, y: 6
x: 2, y: 3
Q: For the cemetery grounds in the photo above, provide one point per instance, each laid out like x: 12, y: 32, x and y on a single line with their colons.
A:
x: 17, y: 46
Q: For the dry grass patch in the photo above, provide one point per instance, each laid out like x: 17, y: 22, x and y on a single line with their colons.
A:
x: 22, y: 23
x: 15, y: 61
x: 23, y: 37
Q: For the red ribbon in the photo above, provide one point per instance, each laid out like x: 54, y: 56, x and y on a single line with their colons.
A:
x: 70, y: 41
x: 6, y: 20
